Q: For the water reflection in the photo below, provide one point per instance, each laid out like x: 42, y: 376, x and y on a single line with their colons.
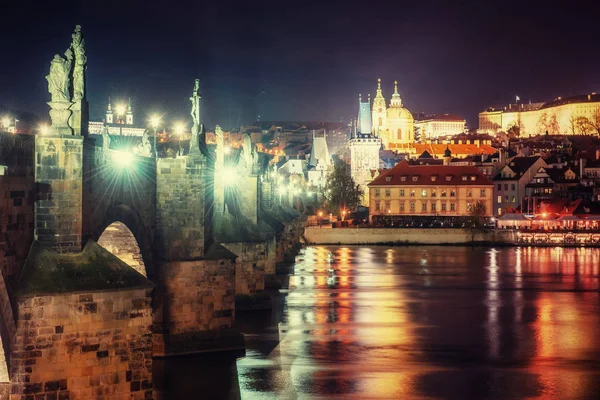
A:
x: 423, y: 322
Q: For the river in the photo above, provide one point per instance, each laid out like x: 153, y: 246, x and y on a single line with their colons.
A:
x: 419, y: 323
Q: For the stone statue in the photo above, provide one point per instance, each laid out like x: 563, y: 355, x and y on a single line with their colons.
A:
x: 105, y: 139
x: 78, y: 48
x: 58, y: 78
x: 247, y: 151
x: 195, y: 113
x: 146, y: 147
x: 220, y: 152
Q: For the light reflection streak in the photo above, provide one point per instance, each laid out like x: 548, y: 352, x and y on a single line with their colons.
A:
x: 493, y: 327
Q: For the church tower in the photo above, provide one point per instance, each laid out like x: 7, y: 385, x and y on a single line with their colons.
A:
x: 396, y: 99
x: 364, y: 150
x: 379, y: 112
x: 129, y: 115
x: 109, y: 113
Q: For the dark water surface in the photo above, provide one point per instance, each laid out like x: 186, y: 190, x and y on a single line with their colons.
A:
x: 416, y: 323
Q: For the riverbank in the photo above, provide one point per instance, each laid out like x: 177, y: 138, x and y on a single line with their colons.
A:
x: 404, y: 236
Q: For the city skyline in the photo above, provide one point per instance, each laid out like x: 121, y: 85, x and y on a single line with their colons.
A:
x: 308, y: 63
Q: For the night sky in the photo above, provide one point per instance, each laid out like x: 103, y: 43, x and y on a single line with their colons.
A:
x: 301, y: 60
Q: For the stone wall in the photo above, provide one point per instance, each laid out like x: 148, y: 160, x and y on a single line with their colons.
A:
x: 198, y: 305
x: 315, y: 235
x: 83, y: 346
x: 180, y: 207
x: 7, y: 332
x: 249, y: 267
x: 58, y: 176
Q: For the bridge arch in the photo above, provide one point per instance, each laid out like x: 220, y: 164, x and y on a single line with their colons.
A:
x: 123, y: 233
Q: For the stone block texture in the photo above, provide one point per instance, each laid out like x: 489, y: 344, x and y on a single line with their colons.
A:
x: 198, y: 302
x: 250, y: 266
x: 83, y: 346
x: 181, y: 197
x: 58, y: 177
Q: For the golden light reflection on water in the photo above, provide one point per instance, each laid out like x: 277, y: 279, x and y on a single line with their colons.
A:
x: 379, y: 322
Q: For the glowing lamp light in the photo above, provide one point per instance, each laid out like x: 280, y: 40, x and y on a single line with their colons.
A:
x: 544, y: 215
x: 154, y: 121
x: 120, y: 109
x: 6, y: 122
x: 320, y: 213
x: 309, y: 193
x: 44, y: 129
x: 179, y: 127
x: 282, y: 191
x: 123, y: 159
x: 226, y: 149
x: 229, y: 176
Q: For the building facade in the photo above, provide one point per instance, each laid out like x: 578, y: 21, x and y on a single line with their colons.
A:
x: 574, y: 115
x: 119, y: 121
x: 364, y: 150
x: 436, y: 126
x: 510, y: 183
x: 393, y: 124
x: 429, y: 190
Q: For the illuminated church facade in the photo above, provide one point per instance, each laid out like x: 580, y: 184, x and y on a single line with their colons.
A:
x: 394, y: 124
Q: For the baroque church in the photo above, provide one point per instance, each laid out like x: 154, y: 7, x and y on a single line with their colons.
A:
x: 393, y: 124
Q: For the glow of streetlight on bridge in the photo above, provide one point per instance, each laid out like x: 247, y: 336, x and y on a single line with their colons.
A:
x: 154, y: 121
x: 123, y: 159
x: 229, y: 176
x: 120, y: 108
x: 6, y: 122
x: 179, y: 128
x: 44, y: 129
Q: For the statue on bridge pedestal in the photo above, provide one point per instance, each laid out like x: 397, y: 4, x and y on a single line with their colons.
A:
x: 195, y: 112
x: 78, y: 49
x: 220, y: 151
x: 105, y: 139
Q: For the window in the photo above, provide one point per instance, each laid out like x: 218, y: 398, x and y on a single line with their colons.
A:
x: 448, y: 178
x: 401, y: 192
x: 499, y: 210
x: 473, y: 177
x: 499, y: 199
x: 377, y: 206
x: 415, y: 178
x: 469, y: 193
x: 469, y: 207
x: 453, y: 193
x: 403, y: 178
x: 512, y: 186
x: 412, y: 193
x: 388, y: 205
x: 433, y: 194
x: 464, y: 177
x: 387, y: 192
x: 506, y: 186
x: 424, y: 193
x: 452, y: 207
x: 443, y: 206
x: 377, y: 192
x: 424, y: 207
x: 443, y: 192
x: 412, y: 206
x: 481, y: 192
x: 433, y: 178
x: 514, y: 199
x: 499, y: 187
x: 402, y: 206
x: 433, y: 207
x: 388, y: 178
x: 506, y: 199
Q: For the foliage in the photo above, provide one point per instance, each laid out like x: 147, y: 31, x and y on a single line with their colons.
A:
x: 478, y: 213
x: 340, y: 191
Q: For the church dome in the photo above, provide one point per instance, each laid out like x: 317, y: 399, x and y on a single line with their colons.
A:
x: 399, y: 113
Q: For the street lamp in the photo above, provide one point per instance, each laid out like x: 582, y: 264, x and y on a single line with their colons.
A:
x: 343, y: 215
x: 320, y: 215
x: 44, y: 129
x: 120, y: 108
x: 6, y: 122
x: 179, y: 127
x: 154, y: 121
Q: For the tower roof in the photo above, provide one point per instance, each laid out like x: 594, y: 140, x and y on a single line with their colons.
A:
x: 396, y: 99
x: 364, y: 124
x: 319, y: 153
x: 447, y: 152
x: 379, y: 100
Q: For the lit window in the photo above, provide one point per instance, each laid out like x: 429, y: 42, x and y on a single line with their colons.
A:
x: 514, y: 199
x: 412, y: 193
x: 424, y: 193
x: 506, y: 199
x: 469, y: 207
x: 433, y: 178
x: 443, y: 192
x: 453, y: 193
x: 473, y: 177
x: 499, y: 211
x: 464, y: 178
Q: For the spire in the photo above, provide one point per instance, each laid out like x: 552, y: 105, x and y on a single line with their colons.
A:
x: 109, y: 112
x: 396, y: 100
x: 129, y: 106
x: 379, y: 100
x: 129, y: 116
x: 109, y: 104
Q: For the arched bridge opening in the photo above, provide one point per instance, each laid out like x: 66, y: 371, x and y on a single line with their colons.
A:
x: 119, y: 240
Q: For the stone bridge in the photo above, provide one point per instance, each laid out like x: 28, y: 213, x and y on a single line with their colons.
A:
x: 109, y: 259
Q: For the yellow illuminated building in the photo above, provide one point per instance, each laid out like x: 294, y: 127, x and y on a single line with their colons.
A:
x: 393, y: 124
x: 575, y: 115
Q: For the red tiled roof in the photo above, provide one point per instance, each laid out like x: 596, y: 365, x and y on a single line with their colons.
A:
x: 437, y: 150
x: 415, y: 175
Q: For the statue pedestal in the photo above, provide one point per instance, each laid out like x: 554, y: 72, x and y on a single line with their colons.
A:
x: 59, y: 114
x: 78, y: 120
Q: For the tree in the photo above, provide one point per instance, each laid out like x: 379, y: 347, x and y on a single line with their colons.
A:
x: 514, y: 131
x: 340, y: 191
x: 477, y: 216
x: 595, y: 121
x: 583, y: 125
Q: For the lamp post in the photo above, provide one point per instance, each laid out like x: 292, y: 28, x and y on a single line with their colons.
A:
x: 320, y: 215
x: 154, y: 121
x: 120, y: 113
